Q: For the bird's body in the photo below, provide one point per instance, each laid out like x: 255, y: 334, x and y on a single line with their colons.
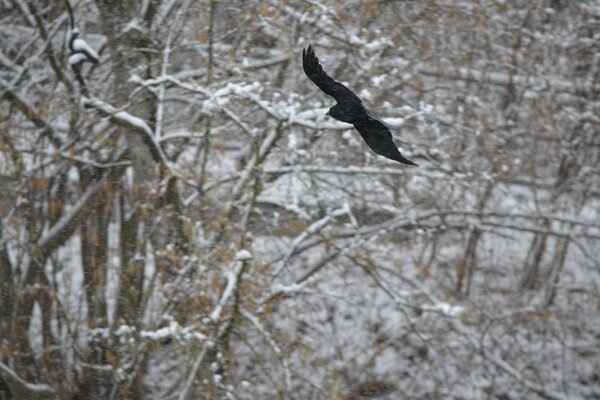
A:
x: 350, y: 109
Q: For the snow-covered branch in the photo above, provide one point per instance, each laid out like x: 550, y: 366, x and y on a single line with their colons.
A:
x: 233, y: 277
x: 25, y: 390
x: 548, y: 83
x: 64, y: 223
x: 130, y: 121
x: 25, y: 108
x: 278, y: 351
x: 312, y: 229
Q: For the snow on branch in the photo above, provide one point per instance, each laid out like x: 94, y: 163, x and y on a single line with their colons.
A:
x: 24, y: 107
x: 194, y: 88
x: 246, y: 174
x: 26, y: 12
x: 62, y: 225
x: 25, y: 390
x: 318, y: 23
x: 313, y: 228
x: 325, y: 169
x: 232, y: 281
x: 539, y: 389
x: 502, y: 79
x: 232, y: 276
x: 80, y: 47
x: 128, y: 120
x: 273, y: 344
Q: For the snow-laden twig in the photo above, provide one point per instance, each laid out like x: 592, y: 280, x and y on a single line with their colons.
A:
x: 262, y: 63
x: 236, y: 120
x: 269, y: 339
x: 539, y: 389
x: 69, y: 215
x: 326, y: 169
x: 66, y: 155
x: 556, y: 84
x: 128, y: 120
x: 27, y: 12
x: 280, y: 291
x: 445, y: 309
x: 197, y: 362
x: 81, y: 47
x: 9, y: 93
x: 315, y: 21
x: 163, y: 71
x: 476, y: 342
x: 25, y: 390
x: 294, y: 119
x: 246, y: 174
x: 161, y: 80
x: 312, y: 229
x: 232, y: 277
x: 164, y: 11
x: 232, y: 281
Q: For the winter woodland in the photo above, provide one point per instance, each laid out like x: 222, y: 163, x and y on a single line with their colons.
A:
x: 180, y: 220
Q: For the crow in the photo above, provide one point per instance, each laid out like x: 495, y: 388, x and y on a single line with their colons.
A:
x: 350, y: 109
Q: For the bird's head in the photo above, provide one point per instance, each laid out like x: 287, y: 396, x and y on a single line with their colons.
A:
x: 333, y: 112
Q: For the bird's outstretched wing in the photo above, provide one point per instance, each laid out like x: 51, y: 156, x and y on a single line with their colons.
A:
x: 379, y: 138
x: 350, y: 109
x: 327, y: 84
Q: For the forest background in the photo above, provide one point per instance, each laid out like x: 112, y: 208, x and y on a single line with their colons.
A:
x: 181, y: 219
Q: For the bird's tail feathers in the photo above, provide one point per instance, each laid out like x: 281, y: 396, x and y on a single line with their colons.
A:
x: 400, y: 158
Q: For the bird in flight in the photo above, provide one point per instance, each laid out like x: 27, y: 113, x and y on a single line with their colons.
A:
x: 350, y: 109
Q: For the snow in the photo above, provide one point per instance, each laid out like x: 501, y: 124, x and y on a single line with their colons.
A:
x: 446, y: 309
x: 77, y: 58
x: 394, y: 122
x: 243, y: 255
x: 377, y: 44
x: 134, y: 121
x: 174, y: 331
x: 132, y: 26
x: 377, y: 80
x: 83, y: 46
x: 13, y: 379
x: 69, y: 214
x: 289, y: 289
x: 124, y: 330
x: 365, y: 94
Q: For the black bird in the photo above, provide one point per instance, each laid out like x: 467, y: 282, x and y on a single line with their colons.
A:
x: 349, y: 108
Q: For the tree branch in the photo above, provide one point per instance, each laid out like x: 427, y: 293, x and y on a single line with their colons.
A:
x: 25, y: 390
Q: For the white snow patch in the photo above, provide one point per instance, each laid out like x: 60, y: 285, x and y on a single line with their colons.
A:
x: 77, y: 58
x: 394, y: 121
x: 133, y: 120
x: 446, y: 309
x: 83, y: 46
x: 243, y: 255
x: 366, y: 94
x: 378, y: 80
